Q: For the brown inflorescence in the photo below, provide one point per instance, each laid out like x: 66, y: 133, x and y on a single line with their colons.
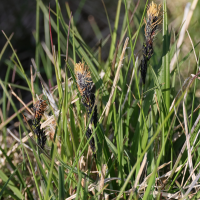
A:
x: 39, y: 107
x: 85, y: 87
x: 83, y: 79
x: 154, y: 18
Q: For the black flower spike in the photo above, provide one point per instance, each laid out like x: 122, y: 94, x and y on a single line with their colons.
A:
x: 85, y: 87
x: 92, y: 143
x: 143, y: 69
x: 83, y: 79
x: 43, y: 138
x: 154, y: 18
x: 39, y: 108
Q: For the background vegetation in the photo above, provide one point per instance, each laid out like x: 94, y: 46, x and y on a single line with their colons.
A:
x: 147, y: 139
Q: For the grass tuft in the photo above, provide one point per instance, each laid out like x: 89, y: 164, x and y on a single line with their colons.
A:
x: 105, y: 130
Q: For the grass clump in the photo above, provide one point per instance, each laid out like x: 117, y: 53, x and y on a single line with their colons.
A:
x: 142, y: 144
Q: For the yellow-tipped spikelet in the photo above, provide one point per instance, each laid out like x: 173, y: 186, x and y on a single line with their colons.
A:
x: 39, y: 108
x: 83, y: 78
x: 85, y: 85
x: 154, y: 18
x: 154, y: 9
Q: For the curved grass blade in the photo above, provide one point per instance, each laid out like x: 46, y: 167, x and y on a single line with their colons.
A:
x: 10, y: 184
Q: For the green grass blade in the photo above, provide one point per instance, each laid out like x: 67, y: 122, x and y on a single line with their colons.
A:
x: 166, y: 65
x: 5, y: 46
x: 5, y: 185
x: 13, y: 105
x: 79, y: 186
x: 114, y: 34
x: 10, y: 184
x: 34, y: 176
x: 20, y: 65
x: 46, y: 197
x: 18, y: 173
x: 58, y: 37
x: 61, y: 186
x: 147, y: 147
x: 37, y: 36
x: 107, y: 18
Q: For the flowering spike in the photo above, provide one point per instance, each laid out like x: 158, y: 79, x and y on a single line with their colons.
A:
x: 85, y: 86
x: 154, y: 18
x: 83, y: 79
x: 39, y: 108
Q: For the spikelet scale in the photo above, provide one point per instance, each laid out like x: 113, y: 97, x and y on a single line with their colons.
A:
x: 83, y: 78
x: 39, y: 108
x: 85, y: 86
x: 154, y: 18
x: 154, y: 10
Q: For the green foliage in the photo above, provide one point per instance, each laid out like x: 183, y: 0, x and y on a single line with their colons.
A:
x: 141, y: 137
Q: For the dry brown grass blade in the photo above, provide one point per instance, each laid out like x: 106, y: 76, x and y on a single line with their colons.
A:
x: 195, y: 123
x: 178, y: 159
x: 167, y: 195
x: 129, y: 87
x: 3, y: 124
x: 90, y: 188
x: 135, y: 99
x: 195, y: 140
x: 19, y: 99
x: 186, y: 20
x: 181, y: 37
x: 139, y: 174
x: 185, y: 86
x: 1, y: 115
x: 51, y: 99
x: 101, y: 184
x: 192, y: 47
x: 185, y: 170
x: 184, y: 146
x: 18, y: 140
x: 157, y: 103
x: 177, y: 127
x: 187, y: 162
x: 180, y: 124
x: 107, y: 108
x: 191, y: 175
x: 188, y: 142
x: 144, y: 183
x: 191, y: 186
x: 47, y: 51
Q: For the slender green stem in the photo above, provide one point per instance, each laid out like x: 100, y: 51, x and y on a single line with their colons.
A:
x: 37, y: 36
x: 114, y: 34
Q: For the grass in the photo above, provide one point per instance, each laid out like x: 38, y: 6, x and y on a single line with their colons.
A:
x: 147, y: 135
